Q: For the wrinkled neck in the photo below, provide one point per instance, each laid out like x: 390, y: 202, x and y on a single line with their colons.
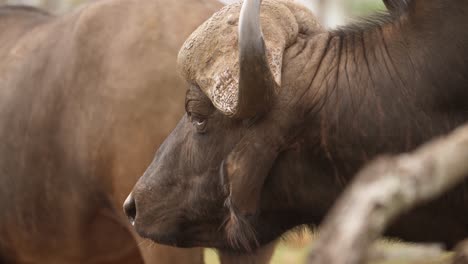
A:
x: 390, y: 87
x: 299, y: 187
x: 382, y: 89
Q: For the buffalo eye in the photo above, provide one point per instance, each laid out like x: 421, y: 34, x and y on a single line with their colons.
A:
x: 199, y: 123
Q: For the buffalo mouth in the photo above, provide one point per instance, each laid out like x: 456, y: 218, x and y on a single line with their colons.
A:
x: 208, y: 235
x: 175, y: 240
x: 189, y: 235
x: 185, y: 241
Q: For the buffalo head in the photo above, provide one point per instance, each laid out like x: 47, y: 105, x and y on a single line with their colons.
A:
x: 281, y: 114
x: 207, y: 184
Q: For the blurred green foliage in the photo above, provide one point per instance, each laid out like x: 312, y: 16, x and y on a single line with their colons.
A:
x: 364, y: 7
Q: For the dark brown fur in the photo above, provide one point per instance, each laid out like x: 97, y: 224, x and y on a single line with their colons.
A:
x: 346, y: 97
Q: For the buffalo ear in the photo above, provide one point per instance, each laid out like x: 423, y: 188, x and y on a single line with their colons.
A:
x: 243, y: 174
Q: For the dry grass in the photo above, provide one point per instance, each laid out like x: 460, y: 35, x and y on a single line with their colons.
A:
x: 293, y: 249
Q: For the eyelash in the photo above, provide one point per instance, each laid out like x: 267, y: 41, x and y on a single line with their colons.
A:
x: 199, y: 123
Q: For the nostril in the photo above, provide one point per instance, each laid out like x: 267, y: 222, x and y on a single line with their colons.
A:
x: 130, y: 208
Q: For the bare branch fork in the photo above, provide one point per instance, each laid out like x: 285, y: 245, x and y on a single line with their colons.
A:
x: 383, y: 190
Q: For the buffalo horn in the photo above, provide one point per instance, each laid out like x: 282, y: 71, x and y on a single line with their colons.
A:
x: 256, y: 82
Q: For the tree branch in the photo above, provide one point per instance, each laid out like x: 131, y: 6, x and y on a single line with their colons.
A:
x: 383, y: 190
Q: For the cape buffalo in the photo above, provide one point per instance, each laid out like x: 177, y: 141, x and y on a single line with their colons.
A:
x: 84, y: 100
x: 280, y: 116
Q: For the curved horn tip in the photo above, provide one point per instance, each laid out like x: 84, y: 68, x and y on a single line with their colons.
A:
x: 256, y: 83
x: 250, y: 33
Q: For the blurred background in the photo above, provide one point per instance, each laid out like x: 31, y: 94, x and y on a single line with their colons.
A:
x: 332, y: 13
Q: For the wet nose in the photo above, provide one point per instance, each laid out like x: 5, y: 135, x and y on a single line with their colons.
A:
x: 130, y: 208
